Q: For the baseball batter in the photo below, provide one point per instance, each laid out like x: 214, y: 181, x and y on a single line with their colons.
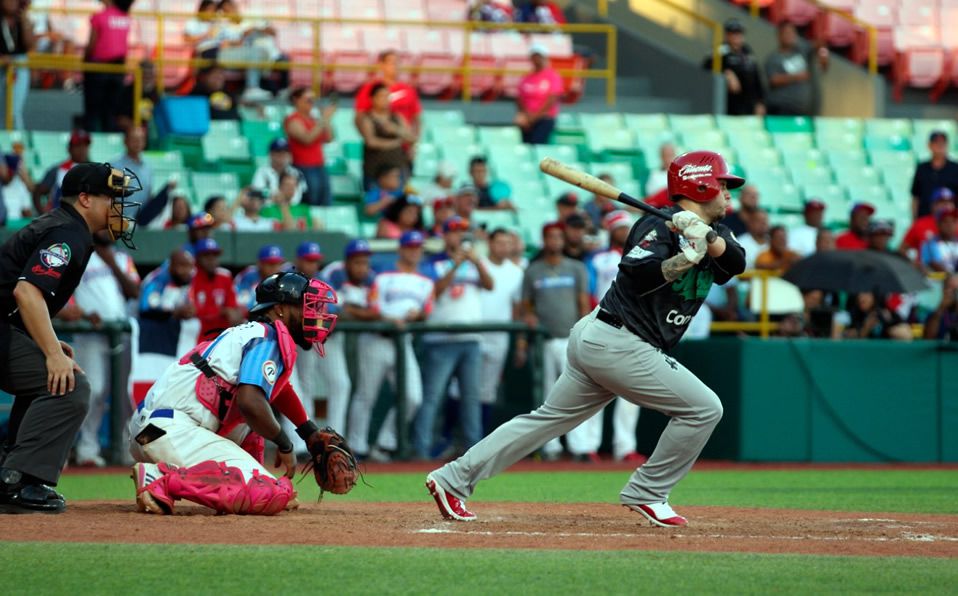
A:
x: 619, y: 349
x: 199, y: 432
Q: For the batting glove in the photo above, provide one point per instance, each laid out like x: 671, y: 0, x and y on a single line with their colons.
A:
x: 694, y: 249
x: 684, y: 219
x: 697, y: 230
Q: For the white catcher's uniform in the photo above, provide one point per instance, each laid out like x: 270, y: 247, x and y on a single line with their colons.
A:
x: 99, y: 292
x: 393, y: 294
x: 245, y: 354
x: 625, y: 414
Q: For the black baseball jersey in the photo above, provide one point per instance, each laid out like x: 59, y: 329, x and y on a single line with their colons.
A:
x: 746, y: 68
x: 657, y: 310
x: 51, y: 253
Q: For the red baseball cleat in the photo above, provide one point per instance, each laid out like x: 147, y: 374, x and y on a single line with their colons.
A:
x: 660, y: 514
x: 449, y: 506
x: 634, y: 457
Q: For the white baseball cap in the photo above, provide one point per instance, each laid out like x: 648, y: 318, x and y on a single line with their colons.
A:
x: 538, y: 48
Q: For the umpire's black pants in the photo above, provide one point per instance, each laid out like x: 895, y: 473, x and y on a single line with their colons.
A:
x: 43, y: 427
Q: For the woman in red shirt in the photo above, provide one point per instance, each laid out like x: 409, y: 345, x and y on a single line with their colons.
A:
x: 306, y: 137
x: 102, y: 91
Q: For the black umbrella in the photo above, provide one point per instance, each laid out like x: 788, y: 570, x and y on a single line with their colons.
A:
x: 856, y: 271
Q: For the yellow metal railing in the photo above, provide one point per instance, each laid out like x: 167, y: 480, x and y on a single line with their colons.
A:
x: 465, y: 70
x: 869, y: 29
x: 764, y: 326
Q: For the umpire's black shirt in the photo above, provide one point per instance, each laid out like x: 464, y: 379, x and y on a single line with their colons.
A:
x: 51, y: 253
x: 657, y: 310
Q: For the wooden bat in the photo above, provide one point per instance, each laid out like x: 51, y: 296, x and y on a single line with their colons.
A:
x: 588, y: 182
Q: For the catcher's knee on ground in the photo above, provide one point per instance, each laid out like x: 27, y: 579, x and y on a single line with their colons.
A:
x: 212, y: 484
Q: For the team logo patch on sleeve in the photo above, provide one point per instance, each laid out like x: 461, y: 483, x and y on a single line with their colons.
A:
x: 55, y: 255
x: 270, y: 371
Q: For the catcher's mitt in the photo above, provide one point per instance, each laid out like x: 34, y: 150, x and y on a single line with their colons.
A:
x: 334, y: 464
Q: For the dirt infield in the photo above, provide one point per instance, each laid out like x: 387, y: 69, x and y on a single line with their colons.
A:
x: 507, y: 525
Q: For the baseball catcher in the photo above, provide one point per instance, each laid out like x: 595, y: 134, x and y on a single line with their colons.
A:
x: 200, y: 431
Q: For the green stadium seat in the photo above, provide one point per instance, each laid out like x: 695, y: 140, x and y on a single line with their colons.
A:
x: 695, y: 122
x: 261, y: 133
x: 556, y: 188
x: 867, y: 176
x: 603, y: 121
x: 605, y: 139
x: 164, y: 160
x: 224, y: 128
x: 832, y: 195
x: 529, y: 192
x: 515, y: 172
x: 278, y: 112
x: 337, y: 218
x: 459, y: 156
x: 50, y: 147
x: 840, y: 126
x: 345, y: 187
x: 885, y: 159
x: 181, y: 177
x: 442, y: 118
x: 207, y: 184
x: 739, y: 124
x: 106, y: 146
x: 922, y: 129
x: 764, y: 175
x: 499, y: 135
x: 847, y: 159
x: 564, y: 153
x: 888, y: 127
x: 876, y: 194
x: 568, y: 121
x: 887, y: 142
x: 803, y: 158
x: 217, y: 149
x: 9, y: 137
x: 779, y: 196
x: 808, y: 171
x: 499, y: 155
x: 767, y: 156
x: 701, y: 139
x: 426, y: 167
x: 789, y: 124
x: 793, y: 141
x: 621, y: 172
x: 838, y: 141
x: 452, y: 135
x: 647, y: 124
x: 490, y: 220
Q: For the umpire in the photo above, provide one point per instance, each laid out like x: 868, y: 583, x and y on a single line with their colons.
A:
x: 40, y: 267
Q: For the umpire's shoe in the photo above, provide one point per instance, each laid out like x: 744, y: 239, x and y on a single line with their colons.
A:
x: 20, y: 496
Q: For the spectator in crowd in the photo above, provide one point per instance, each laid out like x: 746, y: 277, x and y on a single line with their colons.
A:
x: 199, y: 227
x: 180, y: 213
x: 538, y: 99
x: 574, y: 229
x: 543, y: 12
x: 938, y: 172
x: 599, y: 207
x: 856, y: 237
x: 737, y: 221
x: 249, y: 216
x: 925, y: 227
x: 385, y: 191
x: 555, y: 295
x: 401, y: 216
x: 777, y: 257
x: 442, y: 184
x: 825, y: 241
x: 490, y: 11
x: 211, y: 84
x: 309, y: 259
x: 755, y: 240
x: 789, y: 71
x: 385, y: 135
x: 872, y: 319
x: 48, y: 40
x: 242, y: 40
x: 212, y: 292
x: 306, y: 138
x: 17, y: 40
x: 399, y: 296
x: 744, y: 92
x: 943, y: 322
x: 266, y: 177
x: 657, y: 178
x: 465, y: 202
x: 164, y: 303
x: 518, y: 253
x: 103, y: 91
x: 269, y: 260
x: 16, y: 196
x: 941, y: 252
x: 46, y: 194
x: 442, y: 210
x: 152, y: 208
x: 286, y: 216
x: 459, y: 275
x: 880, y: 232
x: 218, y: 207
x: 567, y: 204
x: 149, y: 97
x: 403, y: 100
x: 499, y: 304
x: 109, y: 281
x: 200, y: 32
x: 802, y: 238
x: 492, y: 194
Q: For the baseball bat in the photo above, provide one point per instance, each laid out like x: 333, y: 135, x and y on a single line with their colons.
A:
x: 588, y: 182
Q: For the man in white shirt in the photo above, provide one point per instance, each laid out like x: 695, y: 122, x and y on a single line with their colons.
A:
x: 266, y: 178
x: 802, y: 238
x: 755, y: 241
x: 248, y: 217
x: 500, y: 304
x: 657, y: 178
x: 109, y: 281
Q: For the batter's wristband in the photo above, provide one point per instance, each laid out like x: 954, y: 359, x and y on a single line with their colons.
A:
x: 282, y: 442
x: 306, y: 429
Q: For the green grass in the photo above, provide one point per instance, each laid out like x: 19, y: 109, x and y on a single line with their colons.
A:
x: 917, y: 491
x: 189, y: 569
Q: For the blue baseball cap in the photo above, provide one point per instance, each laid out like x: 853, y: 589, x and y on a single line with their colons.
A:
x: 309, y: 251
x: 411, y: 238
x: 279, y: 144
x: 271, y: 253
x: 201, y: 220
x: 206, y: 245
x: 358, y: 246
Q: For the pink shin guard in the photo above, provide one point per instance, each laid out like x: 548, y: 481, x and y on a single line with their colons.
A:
x: 224, y: 489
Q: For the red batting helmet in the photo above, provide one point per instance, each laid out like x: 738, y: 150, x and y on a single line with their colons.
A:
x: 696, y: 175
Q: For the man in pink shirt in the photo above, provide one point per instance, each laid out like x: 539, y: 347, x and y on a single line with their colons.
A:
x: 108, y: 44
x: 538, y: 99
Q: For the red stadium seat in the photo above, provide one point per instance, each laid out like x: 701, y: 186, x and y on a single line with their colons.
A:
x: 510, y: 83
x: 831, y: 28
x: 430, y: 47
x: 343, y: 44
x: 361, y: 9
x: 558, y: 44
x: 446, y: 10
x: 882, y: 15
x: 798, y: 12
x: 437, y: 83
x: 919, y: 58
x: 482, y: 84
x: 313, y: 9
x: 573, y: 86
x: 174, y: 74
x: 509, y: 45
x: 405, y: 10
x: 379, y: 39
x: 296, y: 37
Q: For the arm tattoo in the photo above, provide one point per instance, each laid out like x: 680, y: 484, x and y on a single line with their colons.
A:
x: 674, y: 267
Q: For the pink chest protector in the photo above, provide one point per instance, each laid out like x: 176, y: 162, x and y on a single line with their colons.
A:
x: 217, y: 395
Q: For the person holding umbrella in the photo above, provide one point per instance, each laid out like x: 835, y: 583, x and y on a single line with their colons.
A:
x: 856, y: 238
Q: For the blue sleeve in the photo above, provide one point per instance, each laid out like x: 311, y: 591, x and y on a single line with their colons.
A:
x: 152, y: 291
x: 261, y: 364
x: 593, y: 277
x: 429, y: 270
x: 372, y: 195
x: 930, y: 253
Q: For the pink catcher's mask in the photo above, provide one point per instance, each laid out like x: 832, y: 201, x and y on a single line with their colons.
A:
x: 318, y: 322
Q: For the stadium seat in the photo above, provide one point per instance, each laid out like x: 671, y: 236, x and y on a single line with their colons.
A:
x: 216, y: 148
x: 50, y: 147
x: 644, y: 124
x: 840, y: 125
x: 768, y: 156
x: 832, y: 195
x: 851, y: 178
x: 697, y: 122
x: 893, y: 142
x: 345, y: 187
x: 377, y: 39
x: 337, y: 218
x: 499, y: 135
x: 207, y: 184
x: 838, y: 141
x: 703, y: 138
x: 442, y: 118
x: 405, y: 10
x: 888, y: 127
x: 923, y: 128
x: 106, y: 146
x: 603, y: 139
x: 510, y: 44
x: 882, y: 15
x: 261, y: 133
x: 919, y: 58
x: 793, y: 141
x: 736, y: 124
x: 559, y: 45
x: 446, y: 10
x: 789, y: 124
x: 362, y: 9
x: 564, y: 153
x: 312, y: 9
x: 798, y: 12
x: 491, y: 220
x: 452, y: 135
x: 836, y: 30
x: 600, y: 122
x: 846, y: 157
x: 780, y: 196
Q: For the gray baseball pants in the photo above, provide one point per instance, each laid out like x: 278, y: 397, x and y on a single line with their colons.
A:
x: 603, y: 362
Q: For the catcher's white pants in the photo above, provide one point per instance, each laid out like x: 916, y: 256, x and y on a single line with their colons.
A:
x: 378, y: 363
x: 584, y: 438
x: 495, y: 348
x: 186, y: 443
